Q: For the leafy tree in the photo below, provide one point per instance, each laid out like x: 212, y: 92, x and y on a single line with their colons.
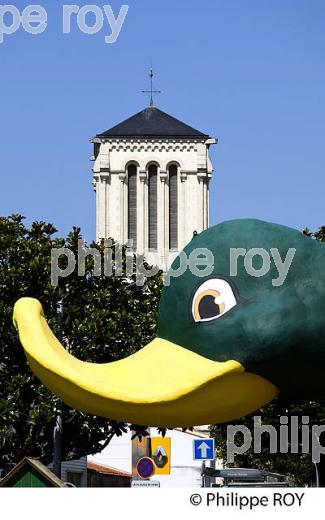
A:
x: 318, y: 235
x: 299, y: 467
x: 105, y: 318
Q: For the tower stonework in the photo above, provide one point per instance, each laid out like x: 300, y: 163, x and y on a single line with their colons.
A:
x: 151, y: 175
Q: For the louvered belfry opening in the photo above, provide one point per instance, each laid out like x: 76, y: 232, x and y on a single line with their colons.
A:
x: 132, y: 204
x: 173, y: 207
x: 152, y: 213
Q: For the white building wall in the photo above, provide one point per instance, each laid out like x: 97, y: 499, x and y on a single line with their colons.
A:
x: 73, y: 466
x: 185, y: 471
x: 110, y: 183
x: 118, y: 454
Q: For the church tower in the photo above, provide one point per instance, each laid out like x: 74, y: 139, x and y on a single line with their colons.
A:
x: 151, y: 175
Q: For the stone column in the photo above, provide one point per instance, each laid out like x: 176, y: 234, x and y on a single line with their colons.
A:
x: 101, y: 206
x: 208, y: 200
x: 203, y: 208
x: 142, y: 213
x: 182, y: 213
x: 163, y: 242
x: 96, y: 190
x: 123, y: 208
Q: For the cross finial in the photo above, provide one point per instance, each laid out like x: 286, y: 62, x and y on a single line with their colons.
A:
x: 151, y: 91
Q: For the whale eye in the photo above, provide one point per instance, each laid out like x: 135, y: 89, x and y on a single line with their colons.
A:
x: 212, y: 299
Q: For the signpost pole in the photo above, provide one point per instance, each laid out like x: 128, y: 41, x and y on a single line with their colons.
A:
x: 57, y: 432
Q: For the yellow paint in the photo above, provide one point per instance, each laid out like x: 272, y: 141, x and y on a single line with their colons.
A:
x: 209, y: 292
x: 165, y: 443
x: 161, y: 385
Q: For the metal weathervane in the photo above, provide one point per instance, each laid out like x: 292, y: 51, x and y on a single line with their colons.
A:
x: 152, y: 91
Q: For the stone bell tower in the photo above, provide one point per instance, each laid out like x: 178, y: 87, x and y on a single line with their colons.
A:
x: 151, y: 175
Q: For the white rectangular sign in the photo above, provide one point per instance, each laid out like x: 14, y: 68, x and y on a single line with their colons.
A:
x: 145, y: 483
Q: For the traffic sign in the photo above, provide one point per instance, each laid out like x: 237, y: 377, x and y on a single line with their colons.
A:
x: 203, y: 449
x: 145, y: 467
x: 160, y: 452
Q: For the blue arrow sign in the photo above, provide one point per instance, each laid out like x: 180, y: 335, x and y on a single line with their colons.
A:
x: 203, y: 449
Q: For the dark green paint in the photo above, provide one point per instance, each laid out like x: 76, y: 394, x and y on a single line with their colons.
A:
x: 28, y: 477
x: 275, y: 332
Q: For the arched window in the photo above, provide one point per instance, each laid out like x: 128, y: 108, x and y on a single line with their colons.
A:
x: 132, y: 204
x: 152, y: 206
x: 173, y: 207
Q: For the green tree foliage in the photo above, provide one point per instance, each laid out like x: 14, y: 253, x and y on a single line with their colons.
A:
x: 318, y: 235
x: 105, y: 319
x: 299, y: 467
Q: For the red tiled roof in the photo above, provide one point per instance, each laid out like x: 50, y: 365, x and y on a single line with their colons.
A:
x: 107, y: 470
x: 200, y: 435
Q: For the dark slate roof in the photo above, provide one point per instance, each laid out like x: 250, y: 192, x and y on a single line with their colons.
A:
x: 152, y: 122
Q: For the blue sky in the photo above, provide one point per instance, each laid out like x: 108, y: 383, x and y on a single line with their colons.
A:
x: 250, y: 73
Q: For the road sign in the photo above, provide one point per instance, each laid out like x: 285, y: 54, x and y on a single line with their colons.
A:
x: 160, y: 452
x: 203, y: 449
x: 140, y: 448
x: 145, y: 483
x: 145, y: 467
